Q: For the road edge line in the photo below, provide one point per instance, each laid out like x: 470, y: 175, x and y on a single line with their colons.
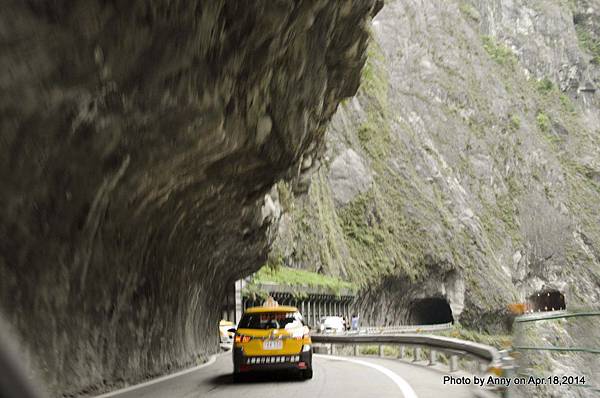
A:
x: 407, y: 390
x: 211, y: 360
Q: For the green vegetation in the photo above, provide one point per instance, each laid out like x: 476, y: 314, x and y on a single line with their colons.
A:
x: 499, y: 52
x: 286, y: 196
x: 297, y: 277
x: 500, y: 341
x: 255, y: 292
x: 369, y: 350
x: 545, y: 86
x: 515, y: 122
x: 469, y: 11
x: 566, y: 103
x: 374, y: 137
x: 588, y: 43
x: 355, y: 223
x: 374, y: 81
x: 499, y: 219
x: 543, y: 122
x: 374, y: 134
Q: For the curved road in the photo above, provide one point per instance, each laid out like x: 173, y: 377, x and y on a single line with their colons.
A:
x: 332, y: 378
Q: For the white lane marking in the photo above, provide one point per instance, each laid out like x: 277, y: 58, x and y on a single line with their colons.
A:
x: 210, y: 361
x: 406, y: 389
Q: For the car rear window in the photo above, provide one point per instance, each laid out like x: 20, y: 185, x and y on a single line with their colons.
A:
x: 271, y: 320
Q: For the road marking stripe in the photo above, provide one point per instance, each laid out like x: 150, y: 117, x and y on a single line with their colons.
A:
x: 210, y: 361
x: 406, y: 389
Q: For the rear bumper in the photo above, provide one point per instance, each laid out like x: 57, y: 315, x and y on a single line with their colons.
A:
x: 243, y: 363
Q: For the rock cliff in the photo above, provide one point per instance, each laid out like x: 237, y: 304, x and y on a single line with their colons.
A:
x: 467, y: 167
x: 140, y: 143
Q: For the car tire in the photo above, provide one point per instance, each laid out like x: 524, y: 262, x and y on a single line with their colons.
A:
x: 237, y: 377
x: 307, y: 374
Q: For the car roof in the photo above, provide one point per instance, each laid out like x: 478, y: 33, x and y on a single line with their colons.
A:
x: 280, y: 308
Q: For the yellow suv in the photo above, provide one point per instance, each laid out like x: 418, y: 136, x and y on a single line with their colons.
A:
x: 272, y: 337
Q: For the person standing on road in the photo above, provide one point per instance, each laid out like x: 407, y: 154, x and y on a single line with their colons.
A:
x: 354, y: 322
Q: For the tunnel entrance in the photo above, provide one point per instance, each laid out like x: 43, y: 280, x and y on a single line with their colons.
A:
x: 547, y: 300
x: 430, y: 311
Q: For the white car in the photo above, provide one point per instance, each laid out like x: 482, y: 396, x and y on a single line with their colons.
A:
x: 331, y: 324
x: 225, y: 336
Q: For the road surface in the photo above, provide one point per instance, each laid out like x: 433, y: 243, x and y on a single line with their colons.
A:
x: 332, y: 378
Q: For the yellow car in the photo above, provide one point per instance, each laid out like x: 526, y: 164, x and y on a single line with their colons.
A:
x: 272, y: 337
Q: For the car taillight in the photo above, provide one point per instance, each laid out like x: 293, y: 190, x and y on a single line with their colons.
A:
x: 242, y: 339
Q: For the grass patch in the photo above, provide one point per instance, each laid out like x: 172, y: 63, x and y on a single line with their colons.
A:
x: 588, y: 43
x: 469, y: 11
x: 545, y: 86
x: 300, y: 278
x: 374, y: 137
x: 286, y: 195
x: 566, y: 103
x: 356, y: 224
x: 500, y: 341
x: 374, y: 80
x: 501, y: 54
x: 369, y: 350
x: 374, y: 134
x: 543, y: 122
x: 515, y: 122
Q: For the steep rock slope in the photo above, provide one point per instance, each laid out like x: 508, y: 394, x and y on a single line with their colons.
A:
x: 573, y: 331
x: 139, y: 143
x: 466, y: 168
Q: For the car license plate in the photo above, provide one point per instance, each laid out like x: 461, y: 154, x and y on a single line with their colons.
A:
x: 272, y: 344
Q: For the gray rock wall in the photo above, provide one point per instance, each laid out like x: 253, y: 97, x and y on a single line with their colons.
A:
x: 474, y: 121
x: 138, y: 142
x: 564, y: 333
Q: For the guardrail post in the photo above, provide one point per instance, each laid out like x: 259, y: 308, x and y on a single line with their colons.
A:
x: 453, y: 363
x: 401, y: 353
x: 482, y: 366
x: 381, y: 350
x: 355, y: 350
x: 508, y: 367
x: 417, y: 354
x: 332, y: 349
x: 431, y: 357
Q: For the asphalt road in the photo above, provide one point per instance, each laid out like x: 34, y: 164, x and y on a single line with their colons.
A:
x: 369, y: 377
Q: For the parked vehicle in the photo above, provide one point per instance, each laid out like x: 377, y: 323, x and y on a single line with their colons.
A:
x: 225, y: 336
x: 331, y: 324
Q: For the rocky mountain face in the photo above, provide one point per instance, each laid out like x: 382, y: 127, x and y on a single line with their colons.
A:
x: 140, y: 143
x: 577, y: 330
x: 467, y: 168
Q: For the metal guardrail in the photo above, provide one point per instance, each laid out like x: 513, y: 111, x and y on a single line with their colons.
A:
x: 404, y: 328
x: 559, y: 349
x: 486, y: 356
x: 554, y: 315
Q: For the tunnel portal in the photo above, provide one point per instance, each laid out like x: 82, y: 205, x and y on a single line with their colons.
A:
x: 430, y: 311
x: 547, y: 300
